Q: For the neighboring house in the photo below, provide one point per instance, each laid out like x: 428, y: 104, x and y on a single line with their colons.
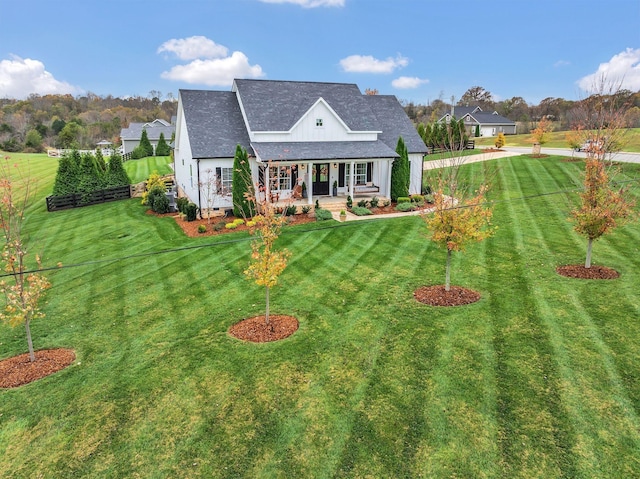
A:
x: 131, y: 136
x: 294, y: 132
x: 490, y: 124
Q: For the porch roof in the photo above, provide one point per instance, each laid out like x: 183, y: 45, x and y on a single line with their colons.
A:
x: 322, y: 150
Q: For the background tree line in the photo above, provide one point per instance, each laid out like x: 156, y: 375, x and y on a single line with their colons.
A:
x: 563, y: 113
x: 65, y: 121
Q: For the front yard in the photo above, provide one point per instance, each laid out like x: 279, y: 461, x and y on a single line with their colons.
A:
x: 539, y: 378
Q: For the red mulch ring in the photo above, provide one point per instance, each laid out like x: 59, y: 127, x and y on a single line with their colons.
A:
x: 255, y: 330
x: 19, y: 370
x: 438, y: 296
x: 579, y: 271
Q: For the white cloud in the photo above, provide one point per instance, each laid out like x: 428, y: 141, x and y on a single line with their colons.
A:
x: 561, y: 63
x: 215, y: 72
x: 369, y: 64
x: 194, y: 47
x: 407, y: 83
x: 623, y: 70
x: 310, y: 3
x: 21, y: 77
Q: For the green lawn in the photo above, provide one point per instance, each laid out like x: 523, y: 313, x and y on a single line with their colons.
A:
x: 538, y: 379
x: 557, y: 139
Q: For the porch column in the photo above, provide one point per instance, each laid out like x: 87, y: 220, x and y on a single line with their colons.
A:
x: 352, y: 177
x: 310, y: 183
x: 389, y: 166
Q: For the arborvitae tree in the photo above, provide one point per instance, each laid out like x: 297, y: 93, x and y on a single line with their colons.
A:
x: 116, y: 174
x: 162, y: 148
x: 100, y: 163
x: 146, y: 144
x: 91, y: 179
x: 477, y: 134
x: 242, y: 186
x: 68, y: 176
x: 421, y: 131
x: 400, y: 172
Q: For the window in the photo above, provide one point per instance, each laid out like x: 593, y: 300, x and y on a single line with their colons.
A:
x: 360, y: 173
x: 280, y: 178
x: 225, y: 180
x: 318, y: 121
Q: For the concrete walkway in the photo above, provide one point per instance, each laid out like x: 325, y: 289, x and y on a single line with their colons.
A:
x: 465, y: 160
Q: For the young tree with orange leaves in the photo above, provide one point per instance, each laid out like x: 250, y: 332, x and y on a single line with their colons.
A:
x: 602, y: 207
x: 267, y: 263
x: 540, y: 134
x: 455, y: 224
x: 22, y: 295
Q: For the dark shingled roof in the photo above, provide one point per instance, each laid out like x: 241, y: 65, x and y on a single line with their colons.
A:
x: 277, y: 105
x: 322, y: 150
x: 214, y: 122
x: 134, y: 132
x: 394, y: 123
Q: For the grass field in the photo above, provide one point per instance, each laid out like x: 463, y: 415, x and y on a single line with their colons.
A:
x: 540, y: 378
x: 557, y: 139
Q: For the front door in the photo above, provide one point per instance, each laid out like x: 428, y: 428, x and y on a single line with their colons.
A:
x: 320, y: 176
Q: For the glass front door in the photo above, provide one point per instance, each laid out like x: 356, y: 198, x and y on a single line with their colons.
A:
x: 320, y: 175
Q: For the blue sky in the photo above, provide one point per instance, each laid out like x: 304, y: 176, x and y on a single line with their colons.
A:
x: 418, y: 50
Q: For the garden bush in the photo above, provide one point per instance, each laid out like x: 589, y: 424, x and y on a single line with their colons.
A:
x: 417, y: 198
x: 362, y: 203
x: 191, y: 210
x: 361, y: 211
x: 159, y: 202
x: 349, y: 202
x: 404, y: 199
x: 202, y: 228
x: 322, y: 214
x: 231, y: 226
x: 374, y: 202
x: 290, y: 210
x: 219, y: 226
x: 181, y: 203
x: 404, y: 207
x: 306, y: 209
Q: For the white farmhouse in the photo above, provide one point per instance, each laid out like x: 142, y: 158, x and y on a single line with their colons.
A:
x: 319, y: 134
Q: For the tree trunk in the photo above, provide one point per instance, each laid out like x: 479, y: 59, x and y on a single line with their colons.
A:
x: 447, y: 281
x: 266, y: 316
x: 32, y: 356
x: 587, y: 263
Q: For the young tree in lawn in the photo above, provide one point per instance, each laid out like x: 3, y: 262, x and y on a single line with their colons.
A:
x: 267, y: 263
x: 243, y: 194
x: 540, y: 134
x: 400, y: 172
x: 602, y: 207
x: 453, y: 225
x: 457, y: 218
x: 24, y: 290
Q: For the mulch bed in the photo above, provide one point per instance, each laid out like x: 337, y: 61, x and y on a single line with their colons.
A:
x: 19, y: 370
x: 256, y: 331
x: 439, y: 296
x: 594, y: 272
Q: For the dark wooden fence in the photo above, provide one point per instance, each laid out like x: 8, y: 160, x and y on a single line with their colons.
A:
x: 55, y: 203
x: 470, y: 145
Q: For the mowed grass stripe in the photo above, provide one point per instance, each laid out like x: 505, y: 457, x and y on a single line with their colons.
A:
x: 534, y: 429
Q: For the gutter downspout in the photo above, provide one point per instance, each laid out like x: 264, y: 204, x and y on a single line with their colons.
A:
x: 199, y: 192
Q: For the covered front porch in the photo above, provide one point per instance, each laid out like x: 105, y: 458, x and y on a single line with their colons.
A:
x: 327, y: 182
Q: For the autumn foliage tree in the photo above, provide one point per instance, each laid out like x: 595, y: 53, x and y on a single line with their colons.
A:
x: 455, y: 224
x: 267, y: 263
x: 540, y: 134
x: 24, y: 289
x: 602, y: 207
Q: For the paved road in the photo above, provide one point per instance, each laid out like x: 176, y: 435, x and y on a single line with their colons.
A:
x: 623, y: 157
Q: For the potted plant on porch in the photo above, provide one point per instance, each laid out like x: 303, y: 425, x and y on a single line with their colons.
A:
x: 343, y: 215
x: 304, y: 190
x: 335, y: 188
